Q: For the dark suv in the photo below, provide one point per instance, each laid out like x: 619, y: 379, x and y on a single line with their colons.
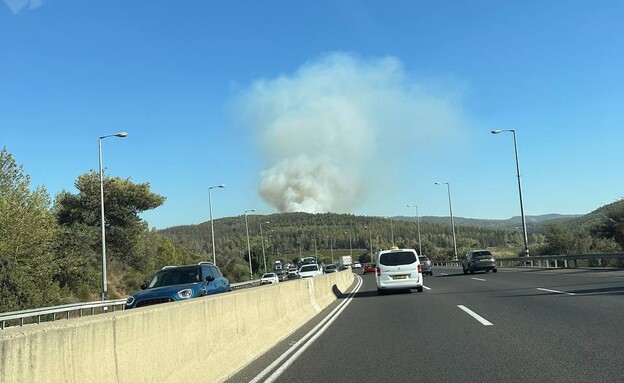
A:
x: 176, y: 283
x: 478, y: 260
x: 427, y: 266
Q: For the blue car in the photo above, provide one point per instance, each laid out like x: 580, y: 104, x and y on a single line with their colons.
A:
x: 176, y: 283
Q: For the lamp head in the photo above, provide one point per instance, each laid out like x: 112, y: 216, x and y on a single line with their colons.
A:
x: 121, y: 134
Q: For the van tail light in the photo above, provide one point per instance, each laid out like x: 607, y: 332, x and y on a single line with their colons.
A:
x: 378, y: 271
x: 419, y: 268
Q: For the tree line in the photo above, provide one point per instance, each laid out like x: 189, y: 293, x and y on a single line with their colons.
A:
x: 50, y: 249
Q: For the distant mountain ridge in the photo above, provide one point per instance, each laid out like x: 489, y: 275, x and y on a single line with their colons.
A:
x: 495, y: 223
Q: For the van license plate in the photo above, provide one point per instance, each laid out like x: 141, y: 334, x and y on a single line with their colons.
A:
x: 400, y: 277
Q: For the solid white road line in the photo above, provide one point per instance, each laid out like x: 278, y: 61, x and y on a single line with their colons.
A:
x: 479, y: 279
x: 426, y: 288
x: 314, y: 334
x: 476, y: 316
x: 555, y: 291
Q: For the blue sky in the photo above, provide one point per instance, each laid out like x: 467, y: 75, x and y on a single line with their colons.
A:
x: 344, y: 106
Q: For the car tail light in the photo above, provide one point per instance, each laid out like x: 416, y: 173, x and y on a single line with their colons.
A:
x: 378, y: 271
x: 419, y: 268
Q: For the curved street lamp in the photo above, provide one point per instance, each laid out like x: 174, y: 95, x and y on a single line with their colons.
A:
x: 418, y: 225
x: 248, y: 245
x: 214, y: 256
x: 524, y: 229
x: 104, y: 286
x: 448, y: 187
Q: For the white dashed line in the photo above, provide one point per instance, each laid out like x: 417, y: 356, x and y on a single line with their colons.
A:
x: 479, y: 279
x: 555, y: 291
x: 426, y: 288
x: 476, y: 316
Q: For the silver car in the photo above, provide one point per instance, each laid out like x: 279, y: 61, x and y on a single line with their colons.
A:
x: 427, y: 266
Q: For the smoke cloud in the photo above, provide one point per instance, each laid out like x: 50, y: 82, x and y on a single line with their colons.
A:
x: 319, y: 128
x: 18, y: 5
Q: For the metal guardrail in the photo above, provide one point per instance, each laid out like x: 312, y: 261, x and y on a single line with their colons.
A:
x: 243, y: 285
x: 569, y: 261
x: 66, y: 310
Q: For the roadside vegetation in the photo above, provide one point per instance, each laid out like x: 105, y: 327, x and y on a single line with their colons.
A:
x: 50, y: 249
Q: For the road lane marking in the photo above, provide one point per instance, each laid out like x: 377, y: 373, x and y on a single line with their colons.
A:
x: 310, y: 337
x: 555, y: 291
x: 426, y: 288
x: 476, y: 316
x: 479, y: 279
x: 443, y: 274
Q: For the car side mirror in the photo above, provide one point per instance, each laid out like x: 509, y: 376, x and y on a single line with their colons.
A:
x: 143, y: 286
x: 210, y: 278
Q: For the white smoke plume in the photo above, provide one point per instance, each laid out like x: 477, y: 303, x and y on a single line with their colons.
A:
x: 319, y: 128
x: 18, y: 5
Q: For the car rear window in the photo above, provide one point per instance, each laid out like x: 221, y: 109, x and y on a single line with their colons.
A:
x: 482, y: 254
x: 309, y: 268
x: 397, y: 258
x: 423, y: 259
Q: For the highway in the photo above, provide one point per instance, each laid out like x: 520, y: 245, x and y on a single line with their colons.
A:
x: 518, y: 325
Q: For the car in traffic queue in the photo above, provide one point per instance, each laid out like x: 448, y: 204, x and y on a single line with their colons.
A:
x: 478, y: 260
x: 426, y: 264
x: 282, y: 275
x: 269, y: 279
x: 368, y: 268
x: 310, y: 270
x: 177, y: 283
x: 293, y: 273
x: 398, y: 269
x: 331, y: 268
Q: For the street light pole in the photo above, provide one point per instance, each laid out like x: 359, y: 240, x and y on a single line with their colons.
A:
x: 350, y: 244
x: 418, y: 225
x: 392, y: 231
x: 262, y: 238
x: 248, y: 245
x: 214, y: 253
x: 524, y: 229
x: 331, y: 247
x: 370, y: 240
x: 448, y: 187
x: 104, y: 286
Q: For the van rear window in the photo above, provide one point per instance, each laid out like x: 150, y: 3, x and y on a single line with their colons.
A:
x: 397, y: 258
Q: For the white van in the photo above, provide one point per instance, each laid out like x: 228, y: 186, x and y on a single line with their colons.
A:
x: 398, y: 269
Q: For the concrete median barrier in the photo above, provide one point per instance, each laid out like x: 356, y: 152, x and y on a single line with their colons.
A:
x: 200, y: 340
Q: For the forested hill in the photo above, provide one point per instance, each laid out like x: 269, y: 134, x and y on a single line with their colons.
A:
x: 292, y: 233
x: 511, y: 223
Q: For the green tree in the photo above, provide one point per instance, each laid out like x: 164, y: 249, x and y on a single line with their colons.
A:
x: 27, y: 233
x: 612, y: 225
x: 128, y: 242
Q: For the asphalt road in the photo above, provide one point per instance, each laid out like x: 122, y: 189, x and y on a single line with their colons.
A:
x: 518, y: 325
